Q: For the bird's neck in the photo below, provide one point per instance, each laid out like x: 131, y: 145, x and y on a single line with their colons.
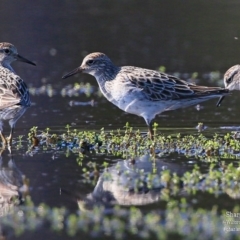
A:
x: 8, y: 66
x: 104, y: 79
x: 108, y: 74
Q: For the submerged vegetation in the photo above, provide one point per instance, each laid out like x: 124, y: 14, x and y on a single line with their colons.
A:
x: 143, y: 177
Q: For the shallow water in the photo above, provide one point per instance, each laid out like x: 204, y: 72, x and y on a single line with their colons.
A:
x: 185, y: 37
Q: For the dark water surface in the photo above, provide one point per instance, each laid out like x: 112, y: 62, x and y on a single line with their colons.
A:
x: 190, y: 37
x: 184, y: 36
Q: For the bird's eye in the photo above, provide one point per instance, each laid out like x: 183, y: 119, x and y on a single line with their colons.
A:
x: 89, y: 62
x: 229, y: 80
x: 6, y: 50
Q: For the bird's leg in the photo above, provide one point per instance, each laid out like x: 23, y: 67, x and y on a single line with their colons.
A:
x: 9, y: 138
x: 4, y: 140
x: 150, y: 129
x: 151, y: 132
x: 1, y: 151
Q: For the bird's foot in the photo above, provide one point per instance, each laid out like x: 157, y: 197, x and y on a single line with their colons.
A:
x: 4, y: 140
x: 9, y: 140
x: 9, y: 143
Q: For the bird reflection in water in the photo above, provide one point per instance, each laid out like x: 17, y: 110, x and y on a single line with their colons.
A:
x: 14, y: 185
x: 131, y: 183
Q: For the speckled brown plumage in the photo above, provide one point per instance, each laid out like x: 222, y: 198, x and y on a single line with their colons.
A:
x: 13, y: 90
x: 143, y: 92
x: 14, y: 95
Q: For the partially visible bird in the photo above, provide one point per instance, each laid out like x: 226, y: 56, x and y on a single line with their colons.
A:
x: 13, y: 90
x: 143, y: 92
x: 231, y: 80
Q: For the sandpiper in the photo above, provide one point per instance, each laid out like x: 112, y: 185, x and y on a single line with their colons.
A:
x: 143, y: 92
x: 231, y: 80
x: 13, y: 90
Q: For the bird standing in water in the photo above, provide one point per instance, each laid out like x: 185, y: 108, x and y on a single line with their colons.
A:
x: 143, y: 92
x: 13, y: 90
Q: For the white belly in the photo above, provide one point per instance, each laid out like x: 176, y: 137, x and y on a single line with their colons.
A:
x: 134, y: 101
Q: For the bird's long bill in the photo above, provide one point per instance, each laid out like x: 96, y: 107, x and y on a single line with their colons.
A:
x: 220, y: 101
x: 73, y: 72
x: 22, y: 59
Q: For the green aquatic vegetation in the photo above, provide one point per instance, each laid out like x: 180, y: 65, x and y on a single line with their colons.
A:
x: 217, y: 180
x: 32, y: 132
x: 19, y: 142
x: 162, y: 69
x: 215, y: 75
x: 194, y: 75
x: 78, y: 89
x: 46, y: 89
x: 177, y: 218
x: 178, y: 215
x: 128, y: 142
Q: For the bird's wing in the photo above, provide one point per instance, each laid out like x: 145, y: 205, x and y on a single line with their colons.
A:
x: 13, y: 112
x: 160, y: 86
x: 12, y: 91
x: 22, y: 92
